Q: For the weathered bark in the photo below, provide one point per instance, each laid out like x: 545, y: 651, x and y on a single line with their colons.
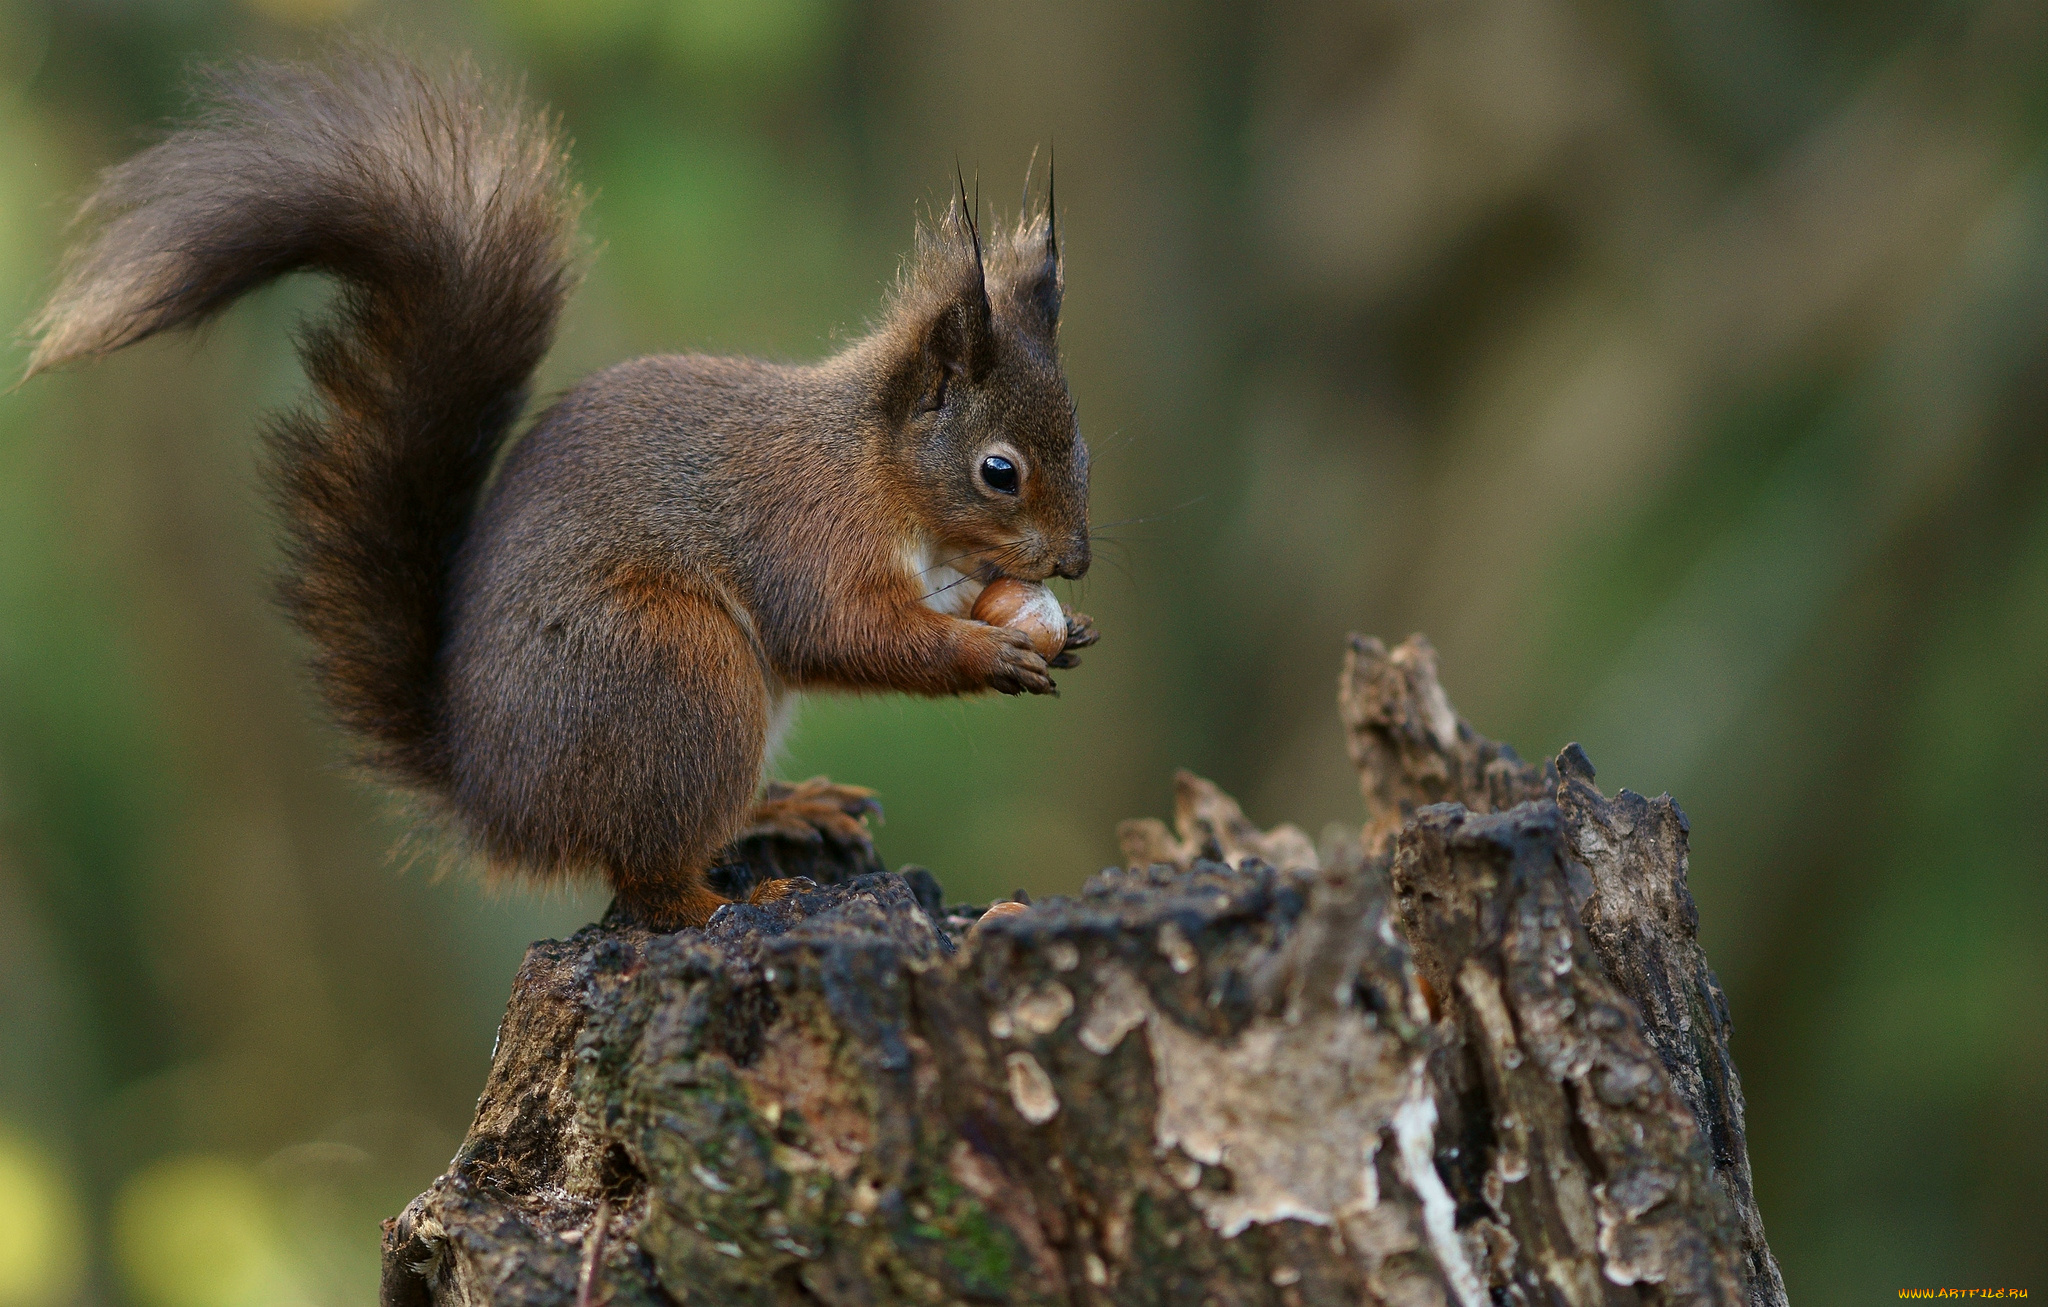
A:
x: 1480, y: 1057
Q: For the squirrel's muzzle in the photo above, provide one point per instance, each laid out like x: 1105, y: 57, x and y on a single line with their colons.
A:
x: 1073, y: 564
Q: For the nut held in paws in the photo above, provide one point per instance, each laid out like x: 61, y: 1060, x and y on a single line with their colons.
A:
x: 1023, y: 606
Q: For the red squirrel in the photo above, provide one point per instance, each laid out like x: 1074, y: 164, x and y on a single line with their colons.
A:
x: 581, y: 661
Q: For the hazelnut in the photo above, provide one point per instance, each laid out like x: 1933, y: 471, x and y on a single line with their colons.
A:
x: 996, y: 912
x: 1025, y: 607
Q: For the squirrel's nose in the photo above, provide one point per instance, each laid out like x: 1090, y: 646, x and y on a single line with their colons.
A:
x: 1074, y: 563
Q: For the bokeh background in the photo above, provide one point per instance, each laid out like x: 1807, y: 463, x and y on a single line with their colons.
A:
x: 1680, y: 366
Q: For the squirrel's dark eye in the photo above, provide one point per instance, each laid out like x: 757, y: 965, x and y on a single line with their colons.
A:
x: 1000, y: 473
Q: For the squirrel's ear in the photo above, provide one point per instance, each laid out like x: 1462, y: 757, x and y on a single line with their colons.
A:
x: 959, y: 344
x: 1039, y: 290
x: 961, y: 338
x: 956, y: 344
x: 1038, y: 293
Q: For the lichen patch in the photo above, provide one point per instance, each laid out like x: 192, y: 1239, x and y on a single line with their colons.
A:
x: 1031, y: 1089
x: 1415, y: 1131
x: 1294, y: 1111
x: 1040, y: 1011
x: 1119, y: 1008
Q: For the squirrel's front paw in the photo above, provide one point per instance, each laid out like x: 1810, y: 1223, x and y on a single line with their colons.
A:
x: 1014, y: 666
x: 1081, y: 633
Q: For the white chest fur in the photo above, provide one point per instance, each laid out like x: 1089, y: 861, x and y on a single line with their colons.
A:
x: 945, y: 588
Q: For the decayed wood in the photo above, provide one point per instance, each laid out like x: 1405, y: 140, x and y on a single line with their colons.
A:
x: 1478, y: 1059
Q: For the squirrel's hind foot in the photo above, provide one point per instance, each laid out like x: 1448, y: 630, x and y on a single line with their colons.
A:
x: 813, y: 828
x: 813, y: 812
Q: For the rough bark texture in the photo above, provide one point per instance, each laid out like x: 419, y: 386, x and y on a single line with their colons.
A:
x: 1477, y: 1058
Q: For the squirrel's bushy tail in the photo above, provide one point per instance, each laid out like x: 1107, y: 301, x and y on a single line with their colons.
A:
x: 445, y: 212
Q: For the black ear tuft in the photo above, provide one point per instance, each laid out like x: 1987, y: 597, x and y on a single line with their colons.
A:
x: 1052, y: 206
x: 972, y: 210
x: 1038, y: 290
x: 961, y: 339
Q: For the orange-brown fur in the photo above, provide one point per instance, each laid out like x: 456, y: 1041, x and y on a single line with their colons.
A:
x: 580, y: 662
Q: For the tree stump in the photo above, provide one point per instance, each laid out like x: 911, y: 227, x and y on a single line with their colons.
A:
x: 1475, y: 1058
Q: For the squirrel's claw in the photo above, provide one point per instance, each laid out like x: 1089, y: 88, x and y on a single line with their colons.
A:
x: 774, y: 891
x: 1081, y: 631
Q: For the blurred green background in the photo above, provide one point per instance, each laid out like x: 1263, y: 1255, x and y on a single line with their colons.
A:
x: 1680, y: 366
